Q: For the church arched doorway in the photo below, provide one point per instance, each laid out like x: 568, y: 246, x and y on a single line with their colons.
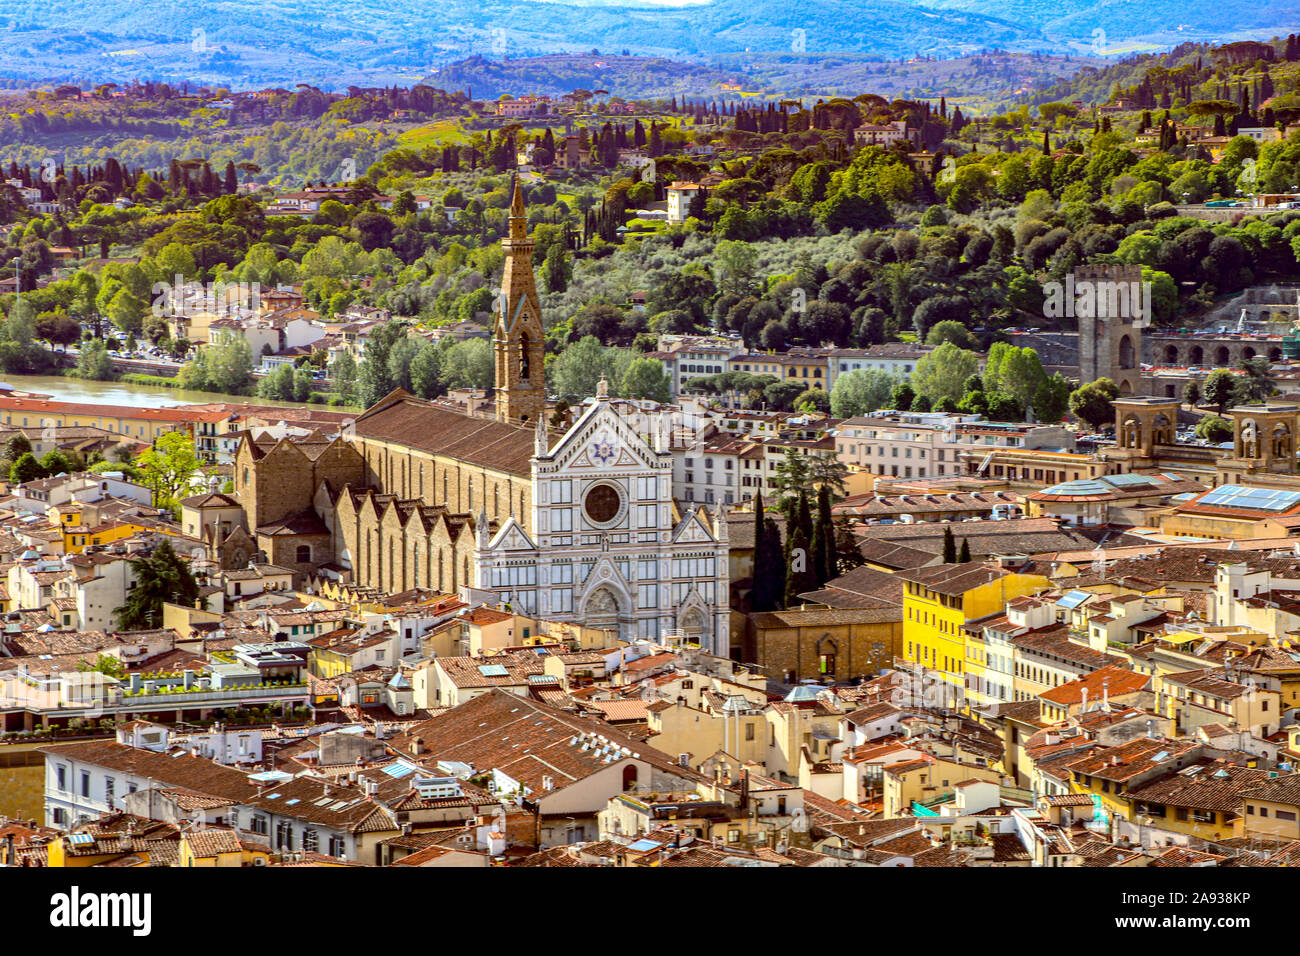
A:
x: 602, y: 609
x: 692, y: 626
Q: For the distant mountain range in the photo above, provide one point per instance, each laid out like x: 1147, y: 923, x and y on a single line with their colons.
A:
x: 250, y: 43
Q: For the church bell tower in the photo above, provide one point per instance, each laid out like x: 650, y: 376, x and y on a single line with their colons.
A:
x: 517, y: 341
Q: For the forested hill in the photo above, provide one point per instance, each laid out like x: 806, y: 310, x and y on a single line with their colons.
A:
x: 1190, y: 72
x: 557, y: 74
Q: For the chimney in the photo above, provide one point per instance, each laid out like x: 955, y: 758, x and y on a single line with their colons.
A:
x: 417, y: 746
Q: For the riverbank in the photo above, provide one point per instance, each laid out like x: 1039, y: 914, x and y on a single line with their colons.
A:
x: 62, y: 388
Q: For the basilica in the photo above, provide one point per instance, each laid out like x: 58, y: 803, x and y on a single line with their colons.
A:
x: 576, y: 526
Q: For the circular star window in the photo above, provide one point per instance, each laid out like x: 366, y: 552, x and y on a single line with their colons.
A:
x: 602, y: 504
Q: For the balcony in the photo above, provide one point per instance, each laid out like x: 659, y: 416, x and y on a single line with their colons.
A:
x: 275, y: 691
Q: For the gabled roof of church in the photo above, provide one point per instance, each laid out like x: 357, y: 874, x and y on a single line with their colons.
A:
x: 403, y: 419
x: 512, y: 524
x: 602, y: 407
x: 306, y: 521
x: 311, y: 446
x: 212, y: 499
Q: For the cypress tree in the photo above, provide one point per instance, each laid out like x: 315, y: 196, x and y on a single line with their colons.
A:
x: 802, y: 520
x: 949, y: 547
x: 847, y: 553
x: 799, y: 576
x: 759, y: 600
x: 965, y: 550
x: 823, y: 539
x: 767, y: 591
x: 774, y: 562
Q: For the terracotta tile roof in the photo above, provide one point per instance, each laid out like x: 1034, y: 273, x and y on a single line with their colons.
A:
x: 186, y: 772
x: 528, y: 741
x: 210, y: 843
x: 497, y: 670
x: 1130, y: 759
x: 882, y: 614
x: 1068, y: 800
x: 614, y: 710
x: 1113, y: 680
x: 873, y: 712
x: 1055, y: 642
x: 954, y: 579
x: 1215, y: 787
x: 1284, y: 789
x: 1185, y: 856
x: 1209, y: 681
x: 404, y: 420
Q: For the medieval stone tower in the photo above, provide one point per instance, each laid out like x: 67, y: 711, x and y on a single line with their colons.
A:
x: 517, y: 330
x: 1110, y: 333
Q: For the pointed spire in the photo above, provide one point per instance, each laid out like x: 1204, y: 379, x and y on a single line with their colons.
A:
x: 518, y: 216
x: 540, y: 439
x: 482, y: 533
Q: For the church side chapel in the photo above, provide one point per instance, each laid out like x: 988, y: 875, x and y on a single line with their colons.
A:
x: 580, y: 526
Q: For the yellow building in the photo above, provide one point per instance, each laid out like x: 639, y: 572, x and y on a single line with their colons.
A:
x: 133, y: 424
x: 1272, y: 807
x: 1197, y: 698
x: 925, y: 780
x: 77, y: 537
x: 152, y: 847
x: 1109, y: 773
x: 679, y: 729
x: 1203, y: 800
x: 220, y: 848
x: 1237, y: 512
x: 938, y: 604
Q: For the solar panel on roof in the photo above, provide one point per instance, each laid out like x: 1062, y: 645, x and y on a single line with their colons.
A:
x: 493, y: 670
x: 643, y: 846
x: 80, y: 839
x: 1072, y: 599
x: 1251, y: 499
x: 398, y: 769
x: 1123, y: 480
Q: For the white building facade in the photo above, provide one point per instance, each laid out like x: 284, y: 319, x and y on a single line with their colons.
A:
x: 607, y: 550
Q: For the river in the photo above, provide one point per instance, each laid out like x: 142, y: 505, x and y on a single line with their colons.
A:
x: 63, y: 389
